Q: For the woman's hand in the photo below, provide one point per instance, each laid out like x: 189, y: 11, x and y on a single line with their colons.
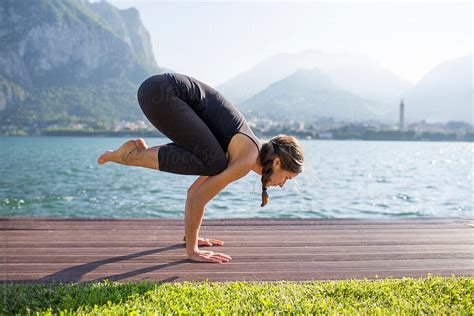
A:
x: 209, y: 256
x: 207, y: 242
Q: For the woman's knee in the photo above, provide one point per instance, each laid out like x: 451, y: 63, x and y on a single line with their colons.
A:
x: 154, y: 90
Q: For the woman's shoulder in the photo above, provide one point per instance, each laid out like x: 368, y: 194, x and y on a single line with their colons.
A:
x: 242, y: 149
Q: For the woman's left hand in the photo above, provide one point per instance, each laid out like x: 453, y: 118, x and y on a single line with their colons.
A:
x: 207, y: 242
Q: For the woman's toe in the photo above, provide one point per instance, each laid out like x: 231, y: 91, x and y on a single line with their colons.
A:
x: 141, y: 144
x: 104, y: 157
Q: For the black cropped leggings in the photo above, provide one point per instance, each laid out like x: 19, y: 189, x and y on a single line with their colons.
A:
x: 194, y: 150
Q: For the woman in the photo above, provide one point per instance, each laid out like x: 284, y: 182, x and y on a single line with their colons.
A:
x: 212, y: 139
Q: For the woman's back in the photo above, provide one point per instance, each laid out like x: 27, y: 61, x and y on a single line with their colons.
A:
x: 220, y: 115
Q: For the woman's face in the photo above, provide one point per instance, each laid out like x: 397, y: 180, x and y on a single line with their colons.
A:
x: 280, y: 175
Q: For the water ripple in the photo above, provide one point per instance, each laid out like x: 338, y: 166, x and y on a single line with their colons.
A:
x: 343, y: 179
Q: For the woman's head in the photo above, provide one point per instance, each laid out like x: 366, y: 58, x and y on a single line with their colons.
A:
x: 281, y: 159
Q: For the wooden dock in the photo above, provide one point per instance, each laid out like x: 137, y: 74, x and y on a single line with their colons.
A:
x: 51, y: 250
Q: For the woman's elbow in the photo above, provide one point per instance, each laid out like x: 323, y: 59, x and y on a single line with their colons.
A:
x: 217, y: 166
x: 194, y: 201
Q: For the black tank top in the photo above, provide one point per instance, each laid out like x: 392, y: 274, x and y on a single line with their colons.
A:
x: 219, y: 114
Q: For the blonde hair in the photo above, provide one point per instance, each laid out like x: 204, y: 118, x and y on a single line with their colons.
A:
x: 288, y: 149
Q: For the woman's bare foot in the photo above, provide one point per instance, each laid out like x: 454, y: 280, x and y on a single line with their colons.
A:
x: 121, y: 154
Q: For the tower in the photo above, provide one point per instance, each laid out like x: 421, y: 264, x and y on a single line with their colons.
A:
x: 401, y: 123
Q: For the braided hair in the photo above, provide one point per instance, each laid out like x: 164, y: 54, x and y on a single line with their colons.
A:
x: 290, y: 153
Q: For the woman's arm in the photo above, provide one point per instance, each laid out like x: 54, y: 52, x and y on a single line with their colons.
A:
x: 202, y: 241
x: 201, y: 195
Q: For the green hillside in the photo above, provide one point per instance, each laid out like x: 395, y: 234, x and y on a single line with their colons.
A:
x: 64, y: 62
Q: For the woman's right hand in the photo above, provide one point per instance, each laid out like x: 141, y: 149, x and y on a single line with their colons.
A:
x: 209, y: 256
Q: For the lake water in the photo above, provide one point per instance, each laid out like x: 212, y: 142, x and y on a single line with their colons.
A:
x: 59, y: 177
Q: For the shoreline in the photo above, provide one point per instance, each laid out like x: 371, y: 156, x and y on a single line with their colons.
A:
x: 467, y: 139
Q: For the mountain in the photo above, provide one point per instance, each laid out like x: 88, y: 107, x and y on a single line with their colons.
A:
x: 311, y: 94
x: 443, y: 94
x: 66, y: 61
x: 355, y: 73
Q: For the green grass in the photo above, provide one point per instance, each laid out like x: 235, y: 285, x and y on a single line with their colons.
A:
x: 430, y: 295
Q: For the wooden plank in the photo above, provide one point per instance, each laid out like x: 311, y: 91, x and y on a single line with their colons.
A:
x: 365, y: 249
x: 241, y: 257
x: 259, y: 244
x: 246, y: 229
x: 167, y: 233
x: 239, y: 220
x: 244, y: 239
x: 69, y: 223
x: 181, y: 264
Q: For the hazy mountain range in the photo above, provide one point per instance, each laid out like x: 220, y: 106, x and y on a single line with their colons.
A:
x: 443, y: 94
x: 310, y: 94
x: 355, y: 73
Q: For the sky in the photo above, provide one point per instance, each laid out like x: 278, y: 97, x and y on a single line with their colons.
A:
x: 215, y: 41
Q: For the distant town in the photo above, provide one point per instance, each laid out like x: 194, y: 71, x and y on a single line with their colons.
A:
x: 322, y: 129
x: 270, y: 125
